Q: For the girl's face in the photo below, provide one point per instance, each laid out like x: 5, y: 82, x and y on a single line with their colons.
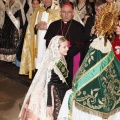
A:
x: 35, y: 4
x: 118, y: 28
x: 63, y: 48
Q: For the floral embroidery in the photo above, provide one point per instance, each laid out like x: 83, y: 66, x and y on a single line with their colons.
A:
x: 110, y: 92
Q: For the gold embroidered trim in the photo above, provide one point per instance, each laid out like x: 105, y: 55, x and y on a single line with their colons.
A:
x: 100, y: 114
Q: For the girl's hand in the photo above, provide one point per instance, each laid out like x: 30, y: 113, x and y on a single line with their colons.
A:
x: 49, y: 111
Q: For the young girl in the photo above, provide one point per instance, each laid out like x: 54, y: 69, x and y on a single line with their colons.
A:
x: 45, y: 95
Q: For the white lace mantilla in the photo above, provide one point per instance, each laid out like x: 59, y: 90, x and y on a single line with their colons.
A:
x: 38, y: 89
x: 18, y: 6
x: 2, y: 13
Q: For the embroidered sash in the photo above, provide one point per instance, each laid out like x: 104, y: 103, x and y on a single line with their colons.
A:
x: 94, y: 72
x: 12, y: 18
x: 62, y: 68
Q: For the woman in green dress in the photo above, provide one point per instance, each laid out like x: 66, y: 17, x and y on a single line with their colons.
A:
x: 44, y: 97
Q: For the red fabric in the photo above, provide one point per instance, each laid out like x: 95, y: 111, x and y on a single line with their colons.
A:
x: 76, y: 61
x: 115, y: 43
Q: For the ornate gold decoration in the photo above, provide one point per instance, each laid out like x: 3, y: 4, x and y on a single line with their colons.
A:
x: 107, y: 19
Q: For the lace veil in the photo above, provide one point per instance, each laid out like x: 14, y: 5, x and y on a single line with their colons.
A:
x: 38, y: 89
x: 2, y: 13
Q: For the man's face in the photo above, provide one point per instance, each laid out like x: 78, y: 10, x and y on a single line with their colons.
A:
x: 66, y: 13
x: 47, y: 3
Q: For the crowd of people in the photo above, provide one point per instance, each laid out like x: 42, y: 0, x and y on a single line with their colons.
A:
x: 75, y: 60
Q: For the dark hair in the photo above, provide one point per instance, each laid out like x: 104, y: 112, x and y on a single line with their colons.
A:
x: 89, y: 7
x: 99, y: 2
x: 37, y: 0
x: 77, y: 1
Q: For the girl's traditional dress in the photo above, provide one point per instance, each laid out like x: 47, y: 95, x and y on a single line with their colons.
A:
x: 12, y: 19
x: 48, y: 86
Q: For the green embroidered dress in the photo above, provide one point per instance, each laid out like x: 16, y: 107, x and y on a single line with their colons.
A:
x: 96, y: 85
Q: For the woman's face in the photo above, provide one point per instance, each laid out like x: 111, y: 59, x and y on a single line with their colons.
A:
x: 63, y: 48
x: 99, y: 8
x: 82, y: 1
x: 47, y: 3
x: 118, y: 28
x: 110, y: 1
x: 35, y: 4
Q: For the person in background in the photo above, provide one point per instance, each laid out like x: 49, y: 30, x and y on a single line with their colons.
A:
x: 82, y: 7
x: 14, y: 19
x: 34, y: 42
x: 44, y: 97
x: 117, y: 2
x: 116, y: 41
x: 89, y: 33
x: 86, y: 17
x: 28, y: 9
x: 73, y: 31
x: 2, y: 13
